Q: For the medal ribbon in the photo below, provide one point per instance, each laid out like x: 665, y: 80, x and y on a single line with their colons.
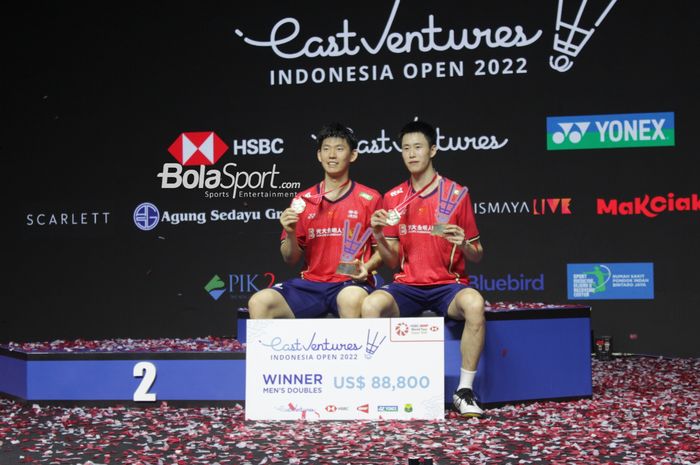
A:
x: 401, y: 207
x: 316, y: 198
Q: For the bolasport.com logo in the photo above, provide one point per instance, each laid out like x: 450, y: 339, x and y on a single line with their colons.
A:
x: 196, y: 154
x: 611, y: 131
x: 147, y: 216
x: 239, y: 285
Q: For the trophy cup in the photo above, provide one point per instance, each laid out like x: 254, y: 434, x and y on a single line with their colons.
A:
x: 352, y: 243
x: 449, y: 199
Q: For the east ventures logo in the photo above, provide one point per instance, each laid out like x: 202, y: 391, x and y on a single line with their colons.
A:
x: 573, y: 29
x: 610, y: 131
x: 239, y: 285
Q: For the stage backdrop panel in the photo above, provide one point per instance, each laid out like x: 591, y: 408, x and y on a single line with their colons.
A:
x: 149, y: 151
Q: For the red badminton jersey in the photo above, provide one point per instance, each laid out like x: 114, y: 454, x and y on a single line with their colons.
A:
x: 428, y: 259
x: 320, y: 230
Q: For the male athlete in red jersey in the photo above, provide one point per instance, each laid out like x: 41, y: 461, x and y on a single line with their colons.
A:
x: 432, y: 271
x: 313, y: 228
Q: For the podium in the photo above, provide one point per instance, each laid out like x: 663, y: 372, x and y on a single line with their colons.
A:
x: 529, y: 354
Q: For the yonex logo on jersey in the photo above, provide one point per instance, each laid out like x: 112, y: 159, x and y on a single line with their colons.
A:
x: 366, y: 196
x: 610, y: 131
x: 396, y: 192
x: 146, y: 216
x: 197, y: 148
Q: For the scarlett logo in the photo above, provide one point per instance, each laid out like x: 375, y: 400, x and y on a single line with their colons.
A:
x: 363, y: 408
x: 197, y: 148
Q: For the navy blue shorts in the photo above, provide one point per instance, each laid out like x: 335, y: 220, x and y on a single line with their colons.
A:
x: 414, y: 300
x: 310, y: 299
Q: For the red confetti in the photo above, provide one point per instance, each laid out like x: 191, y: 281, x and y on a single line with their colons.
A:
x: 644, y: 410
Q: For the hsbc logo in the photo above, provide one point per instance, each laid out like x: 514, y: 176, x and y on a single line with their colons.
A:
x: 195, y: 152
x: 197, y: 148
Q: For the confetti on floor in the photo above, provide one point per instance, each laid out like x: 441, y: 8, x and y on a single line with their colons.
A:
x: 643, y: 411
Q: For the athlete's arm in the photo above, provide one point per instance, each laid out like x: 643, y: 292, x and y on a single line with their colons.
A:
x: 471, y: 249
x: 291, y: 252
x: 388, y: 249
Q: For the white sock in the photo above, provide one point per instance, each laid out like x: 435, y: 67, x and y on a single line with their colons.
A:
x: 466, y: 378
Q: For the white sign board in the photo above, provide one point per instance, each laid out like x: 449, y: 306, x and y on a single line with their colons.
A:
x: 345, y: 369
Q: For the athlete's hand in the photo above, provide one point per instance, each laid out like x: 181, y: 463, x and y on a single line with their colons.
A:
x: 453, y: 234
x: 362, y: 272
x: 378, y: 221
x: 289, y: 220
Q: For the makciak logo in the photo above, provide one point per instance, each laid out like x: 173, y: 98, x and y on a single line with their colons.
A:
x: 573, y: 29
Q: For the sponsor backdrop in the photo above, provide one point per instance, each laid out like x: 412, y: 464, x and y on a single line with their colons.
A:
x: 149, y: 150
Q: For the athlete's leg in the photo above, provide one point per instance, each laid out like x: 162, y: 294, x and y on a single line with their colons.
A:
x: 268, y: 303
x: 468, y: 305
x: 380, y: 304
x: 350, y: 300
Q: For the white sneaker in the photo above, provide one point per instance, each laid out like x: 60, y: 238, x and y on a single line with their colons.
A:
x: 466, y: 403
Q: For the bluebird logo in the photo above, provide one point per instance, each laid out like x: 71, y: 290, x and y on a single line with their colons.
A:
x: 215, y: 287
x: 146, y: 216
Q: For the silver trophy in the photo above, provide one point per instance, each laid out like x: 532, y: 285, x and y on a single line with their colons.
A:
x: 352, y: 243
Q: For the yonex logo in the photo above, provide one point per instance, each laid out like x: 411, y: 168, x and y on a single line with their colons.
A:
x: 197, y: 148
x: 146, y: 216
x: 566, y: 133
x: 215, y: 287
x: 610, y: 131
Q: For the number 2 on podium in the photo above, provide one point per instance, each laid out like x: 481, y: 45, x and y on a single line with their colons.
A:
x: 147, y: 370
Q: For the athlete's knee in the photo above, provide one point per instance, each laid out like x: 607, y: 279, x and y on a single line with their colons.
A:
x: 259, y: 305
x: 350, y: 301
x: 374, y: 305
x: 472, y: 305
x: 350, y: 312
